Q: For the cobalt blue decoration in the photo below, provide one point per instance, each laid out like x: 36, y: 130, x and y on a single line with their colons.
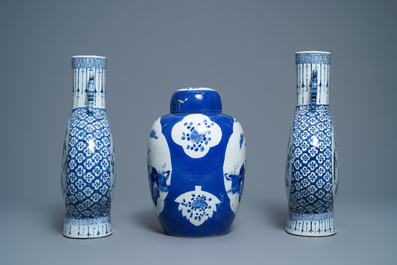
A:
x: 312, y: 164
x: 88, y: 155
x: 196, y: 165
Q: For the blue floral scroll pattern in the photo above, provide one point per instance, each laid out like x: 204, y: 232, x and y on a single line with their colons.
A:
x: 311, y: 161
x: 158, y: 182
x: 89, y: 176
x: 159, y: 166
x: 197, y: 206
x: 241, y: 140
x: 234, y: 166
x: 313, y: 58
x: 237, y: 182
x: 153, y: 134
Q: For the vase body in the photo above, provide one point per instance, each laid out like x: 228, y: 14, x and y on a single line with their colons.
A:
x: 88, y: 154
x: 196, y: 165
x: 312, y: 166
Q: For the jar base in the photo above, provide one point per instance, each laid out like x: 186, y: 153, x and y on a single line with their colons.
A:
x: 311, y: 225
x: 85, y: 228
x: 198, y: 236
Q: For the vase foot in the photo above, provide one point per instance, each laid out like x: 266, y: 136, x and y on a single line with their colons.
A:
x: 311, y: 225
x: 87, y: 227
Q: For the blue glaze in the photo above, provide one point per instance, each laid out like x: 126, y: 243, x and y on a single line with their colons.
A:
x: 196, y: 165
x: 195, y: 100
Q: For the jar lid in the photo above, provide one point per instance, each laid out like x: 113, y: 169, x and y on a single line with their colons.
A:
x: 195, y: 99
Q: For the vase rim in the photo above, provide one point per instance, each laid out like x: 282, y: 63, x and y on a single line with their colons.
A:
x: 325, y: 52
x: 88, y: 56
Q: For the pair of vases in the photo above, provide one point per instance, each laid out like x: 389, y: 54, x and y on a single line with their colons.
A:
x: 197, y: 157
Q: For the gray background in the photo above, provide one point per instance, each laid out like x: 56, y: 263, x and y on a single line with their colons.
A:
x: 244, y: 50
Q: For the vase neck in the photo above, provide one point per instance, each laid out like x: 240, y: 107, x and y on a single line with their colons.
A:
x: 312, y: 78
x: 89, y: 78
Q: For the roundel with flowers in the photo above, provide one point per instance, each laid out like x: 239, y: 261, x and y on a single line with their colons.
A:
x: 197, y: 206
x: 196, y: 133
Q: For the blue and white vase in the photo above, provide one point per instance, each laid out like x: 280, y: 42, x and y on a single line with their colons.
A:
x: 196, y: 165
x: 88, y: 154
x: 312, y: 164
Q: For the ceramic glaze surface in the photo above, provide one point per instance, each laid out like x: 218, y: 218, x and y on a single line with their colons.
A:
x: 312, y: 167
x: 88, y: 154
x: 196, y: 165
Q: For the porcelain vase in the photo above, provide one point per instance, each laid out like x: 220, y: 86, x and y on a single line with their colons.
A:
x: 88, y: 154
x: 312, y: 164
x: 196, y: 165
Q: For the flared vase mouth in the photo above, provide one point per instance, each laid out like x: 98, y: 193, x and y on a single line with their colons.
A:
x: 88, y: 56
x: 89, y: 61
x: 323, y: 52
x: 313, y: 57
